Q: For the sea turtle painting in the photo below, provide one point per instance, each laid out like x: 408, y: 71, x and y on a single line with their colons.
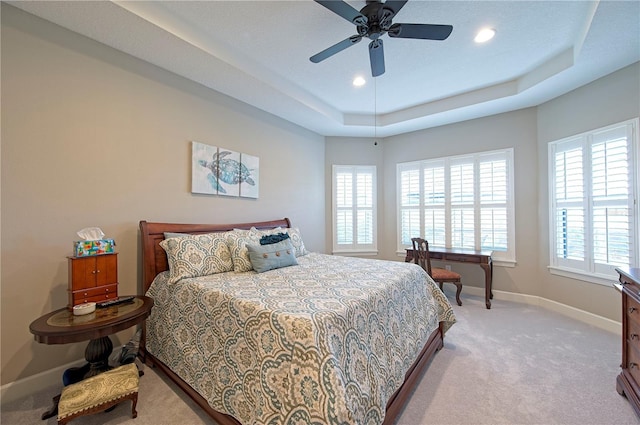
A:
x: 226, y: 170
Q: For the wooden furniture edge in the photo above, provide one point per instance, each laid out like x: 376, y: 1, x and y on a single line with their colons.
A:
x: 47, y: 334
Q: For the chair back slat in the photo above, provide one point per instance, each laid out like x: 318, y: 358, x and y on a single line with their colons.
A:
x: 421, y: 254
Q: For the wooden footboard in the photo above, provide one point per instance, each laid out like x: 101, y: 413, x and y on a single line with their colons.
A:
x: 155, y: 261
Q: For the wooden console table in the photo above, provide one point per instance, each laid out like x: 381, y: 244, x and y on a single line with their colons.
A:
x: 481, y: 258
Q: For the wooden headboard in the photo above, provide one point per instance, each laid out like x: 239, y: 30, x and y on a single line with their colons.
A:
x: 154, y: 258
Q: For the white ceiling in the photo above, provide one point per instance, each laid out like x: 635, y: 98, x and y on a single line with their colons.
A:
x: 258, y: 52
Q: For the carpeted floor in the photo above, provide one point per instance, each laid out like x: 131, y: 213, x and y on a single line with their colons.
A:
x: 513, y: 364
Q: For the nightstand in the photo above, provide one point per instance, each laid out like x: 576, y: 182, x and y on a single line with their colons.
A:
x: 62, y: 327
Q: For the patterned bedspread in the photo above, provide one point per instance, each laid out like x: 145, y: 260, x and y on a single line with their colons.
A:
x: 325, y: 342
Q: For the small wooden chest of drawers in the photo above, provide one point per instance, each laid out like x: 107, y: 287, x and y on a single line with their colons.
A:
x: 93, y: 278
x: 628, y: 381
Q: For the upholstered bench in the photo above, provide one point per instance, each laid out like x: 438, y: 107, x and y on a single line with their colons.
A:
x: 99, y: 392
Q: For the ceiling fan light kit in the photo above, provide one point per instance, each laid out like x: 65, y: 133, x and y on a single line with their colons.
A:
x: 373, y: 21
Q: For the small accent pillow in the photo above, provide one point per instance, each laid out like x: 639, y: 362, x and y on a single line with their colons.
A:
x: 275, y: 238
x: 272, y: 256
x: 197, y: 255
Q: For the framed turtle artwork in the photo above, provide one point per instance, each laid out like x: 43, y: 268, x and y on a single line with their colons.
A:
x: 219, y: 171
x: 249, y: 176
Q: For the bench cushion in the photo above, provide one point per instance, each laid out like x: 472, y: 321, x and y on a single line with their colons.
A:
x: 100, y: 389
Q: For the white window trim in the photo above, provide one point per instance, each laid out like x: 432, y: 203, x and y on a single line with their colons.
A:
x: 589, y: 276
x: 354, y: 249
x: 499, y: 258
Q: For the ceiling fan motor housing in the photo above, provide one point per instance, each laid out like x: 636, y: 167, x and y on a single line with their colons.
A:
x: 373, y: 21
x: 378, y: 20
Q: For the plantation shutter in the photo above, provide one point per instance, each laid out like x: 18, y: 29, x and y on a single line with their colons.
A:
x: 592, y: 199
x: 462, y: 202
x: 354, y: 208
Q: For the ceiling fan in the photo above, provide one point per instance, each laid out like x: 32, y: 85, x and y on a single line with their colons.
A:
x: 373, y: 21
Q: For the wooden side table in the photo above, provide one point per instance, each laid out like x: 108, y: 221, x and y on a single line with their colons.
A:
x: 62, y: 327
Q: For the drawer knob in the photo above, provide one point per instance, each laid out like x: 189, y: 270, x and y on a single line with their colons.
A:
x: 633, y: 336
x: 632, y: 309
x: 633, y: 365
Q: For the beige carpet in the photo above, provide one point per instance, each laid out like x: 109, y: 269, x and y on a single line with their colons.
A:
x: 513, y: 364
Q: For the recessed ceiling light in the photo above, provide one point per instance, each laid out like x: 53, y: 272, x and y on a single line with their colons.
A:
x: 485, y: 34
x: 359, y: 81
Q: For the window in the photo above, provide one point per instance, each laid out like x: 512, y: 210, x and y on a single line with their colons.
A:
x: 459, y: 202
x: 354, y: 209
x: 592, y: 191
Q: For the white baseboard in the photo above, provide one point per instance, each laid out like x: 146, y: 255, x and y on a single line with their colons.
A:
x: 566, y: 310
x: 27, y: 386
x: 24, y: 387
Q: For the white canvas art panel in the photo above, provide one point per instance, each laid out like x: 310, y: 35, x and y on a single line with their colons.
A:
x: 204, y: 168
x: 228, y: 168
x: 249, y: 176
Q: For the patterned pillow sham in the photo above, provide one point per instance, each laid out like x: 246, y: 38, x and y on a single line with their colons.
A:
x: 197, y: 255
x: 296, y: 241
x: 293, y: 232
x: 237, y: 242
x: 272, y: 256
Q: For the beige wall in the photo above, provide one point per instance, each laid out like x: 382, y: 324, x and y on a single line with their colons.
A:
x: 606, y: 101
x: 93, y: 137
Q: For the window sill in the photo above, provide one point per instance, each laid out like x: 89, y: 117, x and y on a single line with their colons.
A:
x: 599, y: 279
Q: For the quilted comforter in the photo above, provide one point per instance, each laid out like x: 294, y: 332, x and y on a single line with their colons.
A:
x: 325, y: 342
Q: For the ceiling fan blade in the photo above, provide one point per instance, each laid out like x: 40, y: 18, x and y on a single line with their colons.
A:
x: 338, y: 47
x: 376, y: 55
x: 422, y: 31
x: 343, y: 9
x: 394, y: 5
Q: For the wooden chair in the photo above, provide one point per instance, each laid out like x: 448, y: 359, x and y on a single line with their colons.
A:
x: 421, y: 257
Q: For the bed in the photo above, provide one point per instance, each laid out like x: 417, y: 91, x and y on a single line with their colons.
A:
x: 328, y: 340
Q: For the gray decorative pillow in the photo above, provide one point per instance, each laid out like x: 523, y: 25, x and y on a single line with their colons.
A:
x: 272, y: 256
x: 197, y: 255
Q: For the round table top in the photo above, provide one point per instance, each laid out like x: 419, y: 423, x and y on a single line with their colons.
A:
x: 62, y: 327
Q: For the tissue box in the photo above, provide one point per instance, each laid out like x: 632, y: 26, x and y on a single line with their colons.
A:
x: 97, y: 247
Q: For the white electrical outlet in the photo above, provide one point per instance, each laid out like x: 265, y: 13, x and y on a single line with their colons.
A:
x: 447, y: 267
